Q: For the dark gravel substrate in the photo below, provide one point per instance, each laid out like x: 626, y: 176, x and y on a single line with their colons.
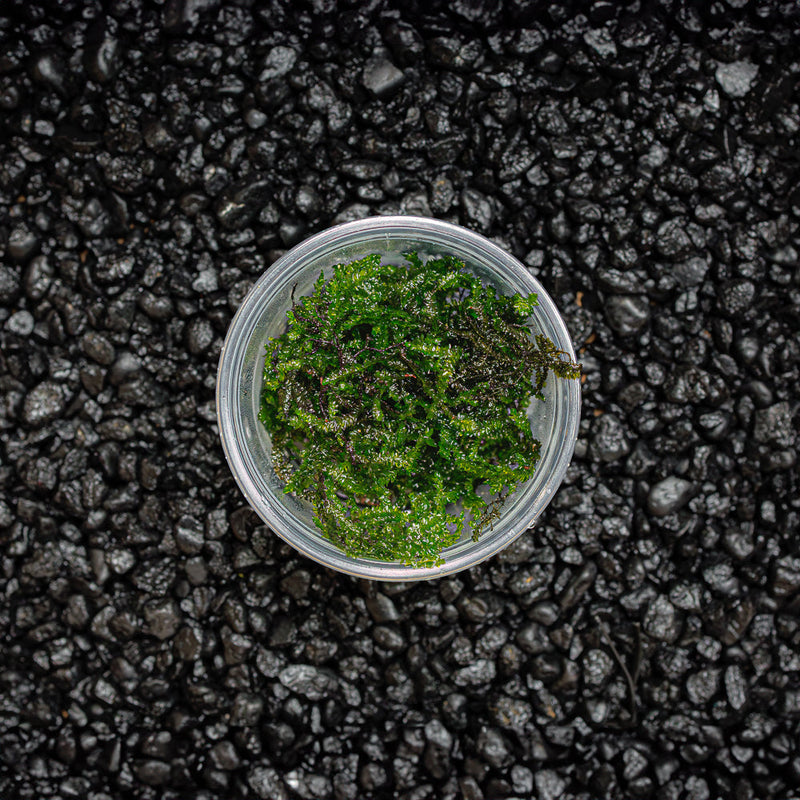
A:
x: 158, y: 642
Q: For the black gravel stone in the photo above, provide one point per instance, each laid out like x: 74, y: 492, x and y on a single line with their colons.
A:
x: 21, y: 323
x: 672, y: 240
x: 736, y: 296
x: 477, y: 209
x: 786, y: 578
x: 240, y: 204
x: 549, y: 784
x: 187, y: 645
x: 662, y: 620
x: 382, y: 608
x: 494, y: 748
x: 102, y: 55
x: 9, y: 284
x: 736, y: 79
x: 610, y: 441
x: 113, y: 269
x: 98, y: 348
x: 199, y: 335
x: 406, y: 43
x: 162, y: 618
x: 152, y: 772
x: 45, y: 403
x: 247, y: 710
x: 223, y: 756
x: 189, y: 535
x: 669, y: 495
x: 774, y: 425
x: 579, y: 585
x: 296, y: 584
x: 627, y: 314
x: 381, y: 77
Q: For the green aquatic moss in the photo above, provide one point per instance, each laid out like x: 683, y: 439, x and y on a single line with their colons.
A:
x: 395, y: 391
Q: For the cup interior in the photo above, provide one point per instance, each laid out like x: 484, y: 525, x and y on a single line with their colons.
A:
x: 262, y: 315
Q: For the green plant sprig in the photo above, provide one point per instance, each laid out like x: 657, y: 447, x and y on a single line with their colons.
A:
x: 395, y: 391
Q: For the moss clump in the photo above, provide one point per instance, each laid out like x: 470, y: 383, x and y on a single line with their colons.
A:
x: 394, y: 392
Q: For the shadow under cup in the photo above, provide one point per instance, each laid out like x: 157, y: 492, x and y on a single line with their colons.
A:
x: 262, y: 315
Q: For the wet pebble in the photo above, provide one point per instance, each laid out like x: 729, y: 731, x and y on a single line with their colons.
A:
x: 307, y: 200
x: 610, y: 440
x: 223, y: 756
x: 600, y: 42
x: 187, y: 645
x: 437, y: 751
x: 102, y: 56
x: 481, y: 672
x: 9, y: 283
x: 494, y: 748
x: 22, y: 243
x: 206, y: 282
x: 627, y: 314
x: 672, y: 240
x: 669, y: 495
x: 38, y: 277
x: 579, y: 585
x: 737, y: 295
x: 152, y: 772
x: 786, y: 577
x: 773, y: 425
x: 702, y: 686
x: 477, y: 209
x: 308, y: 681
x: 114, y: 269
x: 597, y: 667
x: 44, y: 403
x: 297, y: 584
x: 189, y: 535
x: 381, y: 77
x: 162, y: 617
x: 247, y: 709
x: 278, y: 62
x: 240, y: 203
x: 662, y: 620
x: 735, y: 687
x: 549, y: 784
x: 736, y: 79
x: 371, y: 777
x: 98, y: 348
x: 199, y: 335
x: 381, y: 608
x: 20, y: 323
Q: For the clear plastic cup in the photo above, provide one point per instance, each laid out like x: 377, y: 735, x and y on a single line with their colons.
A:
x: 262, y: 314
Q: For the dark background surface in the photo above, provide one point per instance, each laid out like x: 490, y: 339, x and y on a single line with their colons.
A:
x: 158, y: 642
